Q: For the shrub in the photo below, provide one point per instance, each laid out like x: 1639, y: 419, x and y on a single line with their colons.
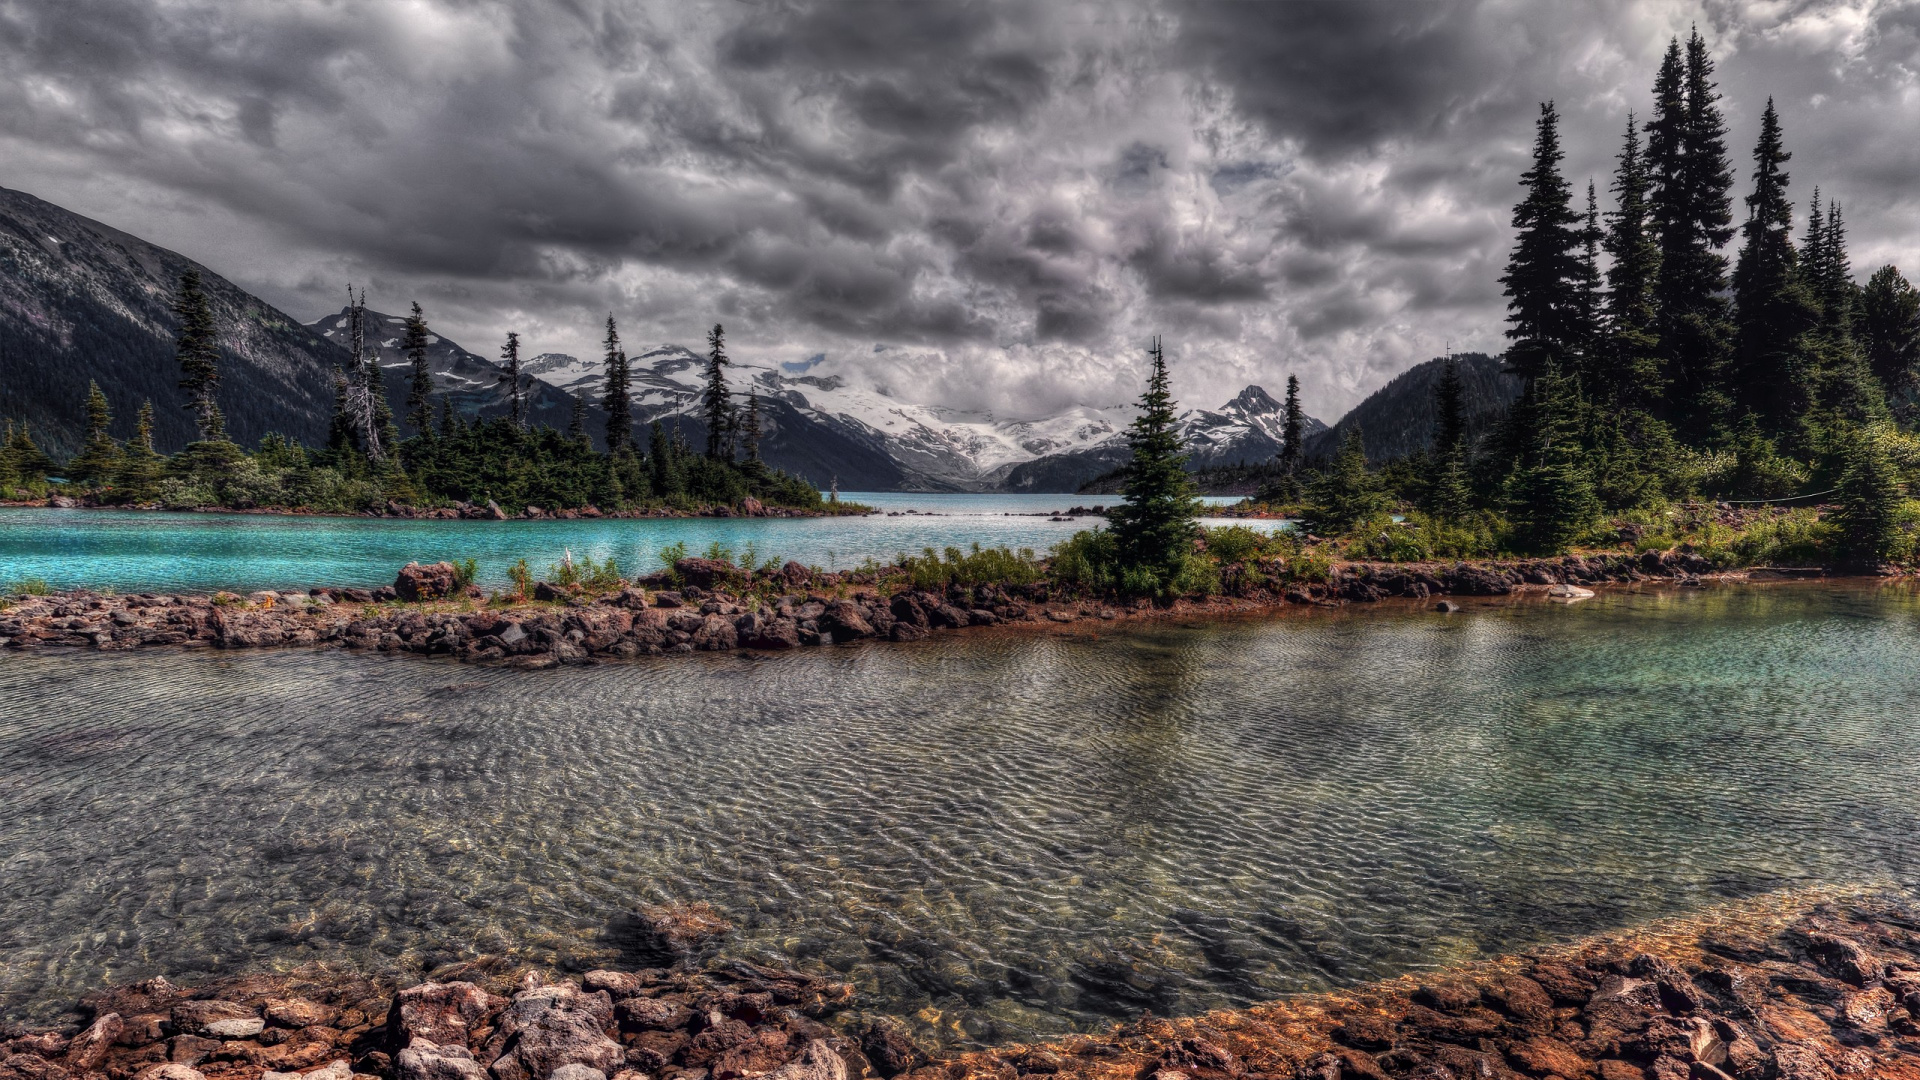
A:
x: 981, y: 566
x: 464, y: 573
x: 1235, y: 543
x: 1799, y: 538
x: 1871, y: 502
x: 522, y: 579
x: 1087, y: 561
x: 673, y: 553
x: 584, y: 573
x: 32, y: 586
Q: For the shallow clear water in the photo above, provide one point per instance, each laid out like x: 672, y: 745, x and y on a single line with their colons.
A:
x: 1015, y: 833
x: 140, y: 551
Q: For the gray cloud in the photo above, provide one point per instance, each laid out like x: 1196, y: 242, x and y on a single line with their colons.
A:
x: 1009, y: 197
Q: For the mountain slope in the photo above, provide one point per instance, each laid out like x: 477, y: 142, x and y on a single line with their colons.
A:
x: 471, y: 382
x: 1397, y: 420
x: 80, y: 300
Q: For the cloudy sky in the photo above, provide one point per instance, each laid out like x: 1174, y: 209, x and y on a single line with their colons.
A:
x: 986, y: 206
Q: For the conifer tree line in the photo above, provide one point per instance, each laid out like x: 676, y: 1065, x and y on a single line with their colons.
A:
x: 1669, y: 349
x: 443, y: 457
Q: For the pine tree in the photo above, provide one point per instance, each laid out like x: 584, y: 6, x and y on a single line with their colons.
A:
x: 718, y: 401
x: 140, y: 464
x: 1588, y: 346
x: 616, y: 395
x: 1693, y: 210
x: 1293, y: 428
x: 1630, y: 378
x: 1449, y: 495
x: 1544, y: 272
x: 197, y: 348
x: 1155, y: 523
x: 750, y: 436
x: 1772, y: 308
x: 1847, y: 388
x: 1889, y: 333
x: 99, y: 458
x: 386, y: 435
x: 510, y: 357
x: 447, y: 428
x: 660, y: 458
x: 24, y: 459
x: 1869, y: 500
x: 420, y: 388
x: 577, y: 422
x: 1550, y: 495
x: 1346, y: 495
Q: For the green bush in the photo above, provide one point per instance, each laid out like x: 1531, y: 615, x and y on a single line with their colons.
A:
x: 464, y: 571
x: 1087, y: 562
x: 1235, y: 543
x: 1799, y: 538
x: 32, y: 586
x: 980, y: 566
x: 522, y: 579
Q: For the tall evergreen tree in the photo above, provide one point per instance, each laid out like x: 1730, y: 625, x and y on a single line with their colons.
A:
x: 99, y: 457
x: 197, y: 348
x: 24, y: 459
x: 577, y: 422
x: 1869, y: 499
x: 1293, y: 428
x: 1693, y: 210
x: 1889, y: 333
x: 510, y: 358
x: 616, y: 395
x: 420, y: 387
x: 718, y: 400
x: 1630, y: 377
x: 140, y: 465
x: 1449, y: 495
x: 750, y: 437
x: 1771, y: 373
x: 1550, y: 495
x: 1544, y: 273
x: 1346, y: 495
x: 1847, y: 388
x: 1155, y: 523
x: 660, y: 458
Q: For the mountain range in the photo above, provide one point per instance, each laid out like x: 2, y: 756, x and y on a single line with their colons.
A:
x: 80, y: 300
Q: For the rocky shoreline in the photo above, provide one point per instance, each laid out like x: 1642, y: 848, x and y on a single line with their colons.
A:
x: 708, y: 606
x: 1780, y: 988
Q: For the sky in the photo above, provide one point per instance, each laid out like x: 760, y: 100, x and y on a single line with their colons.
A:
x: 984, y: 206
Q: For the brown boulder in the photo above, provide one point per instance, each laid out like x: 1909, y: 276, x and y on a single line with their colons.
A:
x: 444, y: 1014
x: 716, y: 634
x: 817, y: 1062
x: 775, y: 634
x: 29, y: 1067
x: 705, y: 573
x: 551, y: 1026
x: 425, y: 1061
x: 299, y: 1013
x: 845, y: 621
x: 216, y: 1020
x: 89, y: 1048
x: 415, y: 583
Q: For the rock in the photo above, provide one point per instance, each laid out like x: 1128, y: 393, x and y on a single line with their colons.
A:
x: 548, y: 593
x: 579, y: 1072
x: 749, y: 507
x: 678, y: 930
x: 512, y: 634
x: 425, y: 1061
x: 668, y: 599
x: 444, y: 1014
x: 552, y: 1026
x: 886, y: 1044
x: 794, y: 574
x: 199, y: 1018
x: 298, y: 1013
x: 781, y: 633
x: 1569, y: 593
x: 651, y: 1014
x: 705, y: 573
x: 494, y: 511
x: 89, y: 1048
x: 235, y: 1029
x: 29, y: 1067
x: 416, y: 583
x: 190, y: 1049
x: 845, y: 621
x: 169, y: 1070
x: 818, y: 1062
x: 716, y: 634
x: 1446, y: 607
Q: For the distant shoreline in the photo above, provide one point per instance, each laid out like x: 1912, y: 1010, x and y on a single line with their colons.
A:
x: 464, y: 512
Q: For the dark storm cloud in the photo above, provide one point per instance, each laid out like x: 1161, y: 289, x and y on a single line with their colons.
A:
x: 1010, y: 197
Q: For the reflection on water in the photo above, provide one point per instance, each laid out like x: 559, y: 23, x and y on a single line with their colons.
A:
x: 1018, y: 834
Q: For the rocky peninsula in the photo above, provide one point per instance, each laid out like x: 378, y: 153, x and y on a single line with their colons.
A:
x: 1784, y: 987
x: 704, y: 605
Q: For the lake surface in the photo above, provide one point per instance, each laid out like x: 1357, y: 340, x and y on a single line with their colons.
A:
x: 997, y: 835
x: 142, y: 551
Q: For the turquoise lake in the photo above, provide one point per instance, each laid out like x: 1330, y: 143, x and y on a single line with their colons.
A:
x: 994, y: 835
x: 142, y: 551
